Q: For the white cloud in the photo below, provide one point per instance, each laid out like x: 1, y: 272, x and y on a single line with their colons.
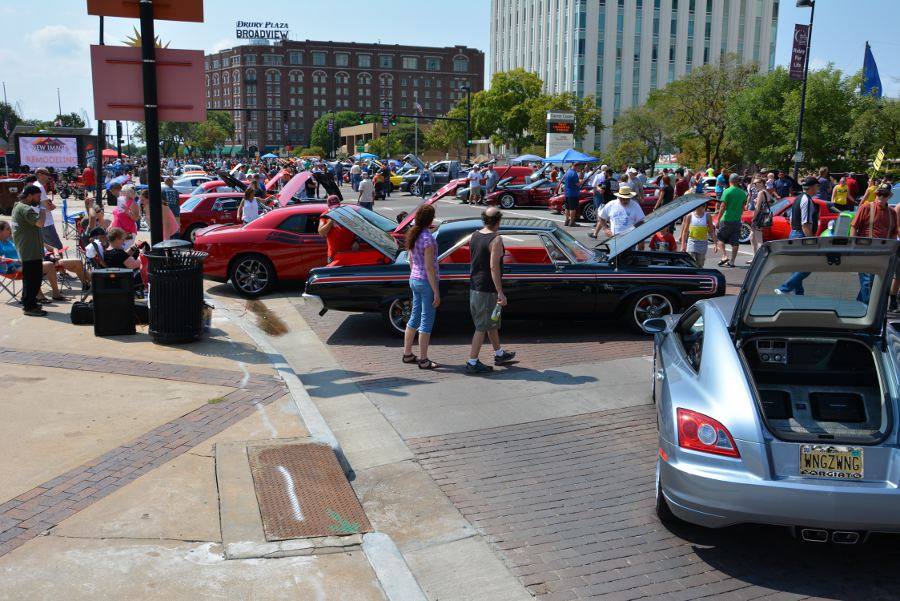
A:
x: 59, y: 40
x: 223, y: 44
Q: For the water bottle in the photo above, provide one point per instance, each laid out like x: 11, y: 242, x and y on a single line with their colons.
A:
x: 495, y: 314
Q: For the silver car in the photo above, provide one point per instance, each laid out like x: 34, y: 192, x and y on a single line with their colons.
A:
x: 780, y: 407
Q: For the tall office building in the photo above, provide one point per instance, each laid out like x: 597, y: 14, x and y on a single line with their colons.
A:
x: 621, y: 50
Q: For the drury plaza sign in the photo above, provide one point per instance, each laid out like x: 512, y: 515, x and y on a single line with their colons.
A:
x: 261, y: 30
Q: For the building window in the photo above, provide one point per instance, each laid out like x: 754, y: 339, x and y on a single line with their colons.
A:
x: 236, y: 59
x: 432, y: 64
x: 318, y: 59
x: 385, y: 61
x: 296, y: 57
x: 273, y: 59
x: 461, y: 64
x: 364, y: 61
x: 216, y: 64
x: 410, y: 62
x: 341, y: 59
x: 250, y: 59
x: 319, y: 77
x: 364, y: 79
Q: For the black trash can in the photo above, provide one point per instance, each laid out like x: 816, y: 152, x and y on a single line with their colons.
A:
x: 113, y: 291
x: 176, y: 292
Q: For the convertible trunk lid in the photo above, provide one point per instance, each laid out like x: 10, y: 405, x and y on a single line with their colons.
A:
x: 652, y: 223
x: 831, y: 297
x: 369, y: 232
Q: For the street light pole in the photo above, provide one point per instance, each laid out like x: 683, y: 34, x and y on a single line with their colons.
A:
x: 812, y: 5
x: 101, y: 135
x: 151, y: 119
x: 468, y: 90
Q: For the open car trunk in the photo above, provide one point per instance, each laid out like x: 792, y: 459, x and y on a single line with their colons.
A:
x: 827, y: 389
x: 810, y: 325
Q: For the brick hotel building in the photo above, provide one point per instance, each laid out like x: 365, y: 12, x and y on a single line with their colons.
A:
x: 296, y: 82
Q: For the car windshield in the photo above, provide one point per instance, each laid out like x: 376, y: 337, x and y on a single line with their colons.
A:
x: 836, y: 292
x: 191, y: 203
x: 780, y: 205
x: 198, y: 190
x: 581, y: 253
x: 536, y: 184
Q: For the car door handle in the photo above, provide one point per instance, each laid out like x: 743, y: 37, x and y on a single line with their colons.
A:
x: 659, y: 375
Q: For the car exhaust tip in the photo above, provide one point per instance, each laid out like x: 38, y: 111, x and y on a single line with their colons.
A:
x: 845, y: 538
x: 812, y: 535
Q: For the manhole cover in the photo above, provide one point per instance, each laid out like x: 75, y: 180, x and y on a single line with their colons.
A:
x: 302, y: 492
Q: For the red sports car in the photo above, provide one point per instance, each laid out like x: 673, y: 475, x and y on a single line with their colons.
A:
x: 781, y: 220
x: 586, y: 211
x: 535, y: 194
x: 282, y: 245
x: 203, y: 210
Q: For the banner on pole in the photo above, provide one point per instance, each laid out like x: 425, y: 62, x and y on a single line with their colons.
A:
x: 798, y: 53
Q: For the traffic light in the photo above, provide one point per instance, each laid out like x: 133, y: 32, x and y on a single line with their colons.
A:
x: 362, y: 119
x: 393, y: 119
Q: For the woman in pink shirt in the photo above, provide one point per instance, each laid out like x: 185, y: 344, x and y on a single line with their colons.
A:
x: 169, y: 222
x: 127, y: 215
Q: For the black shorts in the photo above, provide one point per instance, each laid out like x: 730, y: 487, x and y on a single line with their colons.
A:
x: 571, y: 203
x: 729, y: 232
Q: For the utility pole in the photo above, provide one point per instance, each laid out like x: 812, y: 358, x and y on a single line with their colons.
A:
x: 468, y: 90
x: 797, y: 149
x: 101, y: 139
x: 119, y: 138
x: 59, y: 102
x: 151, y: 119
x: 416, y: 111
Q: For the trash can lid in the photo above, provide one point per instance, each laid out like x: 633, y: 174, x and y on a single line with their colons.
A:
x: 173, y: 244
x: 112, y: 271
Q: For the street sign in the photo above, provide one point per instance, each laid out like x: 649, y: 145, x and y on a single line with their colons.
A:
x: 119, y: 84
x: 879, y: 159
x: 166, y: 10
x: 361, y: 147
x: 798, y: 157
x: 385, y: 119
x: 798, y: 53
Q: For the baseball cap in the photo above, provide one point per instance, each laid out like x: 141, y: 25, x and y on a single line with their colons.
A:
x: 809, y: 182
x: 97, y: 231
x: 734, y: 177
x: 604, y: 167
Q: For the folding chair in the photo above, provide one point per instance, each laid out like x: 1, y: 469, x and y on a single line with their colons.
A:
x: 70, y: 220
x: 11, y: 283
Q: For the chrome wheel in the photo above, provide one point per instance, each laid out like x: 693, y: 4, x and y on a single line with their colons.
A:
x: 398, y: 314
x: 745, y: 233
x: 507, y: 201
x: 650, y: 305
x: 589, y: 212
x: 252, y: 276
x: 415, y: 190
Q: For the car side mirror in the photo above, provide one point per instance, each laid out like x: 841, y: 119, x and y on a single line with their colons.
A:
x: 655, y: 325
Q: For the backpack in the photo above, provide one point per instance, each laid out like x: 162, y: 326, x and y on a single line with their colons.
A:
x: 82, y: 314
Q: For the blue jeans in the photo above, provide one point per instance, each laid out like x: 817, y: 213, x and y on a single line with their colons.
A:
x: 354, y: 182
x: 422, y: 316
x: 865, y: 287
x: 795, y: 282
x: 598, y: 202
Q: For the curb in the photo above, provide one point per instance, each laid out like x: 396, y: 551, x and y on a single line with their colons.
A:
x: 393, y: 573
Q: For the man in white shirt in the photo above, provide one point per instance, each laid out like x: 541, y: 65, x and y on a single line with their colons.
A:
x: 48, y: 231
x: 622, y: 214
x: 366, y: 192
x: 474, y: 186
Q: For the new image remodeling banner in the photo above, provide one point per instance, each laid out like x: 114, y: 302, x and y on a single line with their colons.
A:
x: 48, y: 151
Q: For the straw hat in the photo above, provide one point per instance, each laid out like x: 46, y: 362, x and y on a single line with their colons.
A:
x: 625, y: 191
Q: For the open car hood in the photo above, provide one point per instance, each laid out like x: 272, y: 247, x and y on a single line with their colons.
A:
x: 830, y: 300
x: 448, y: 188
x: 236, y: 168
x: 273, y: 181
x: 367, y: 231
x: 292, y: 187
x: 415, y: 161
x: 231, y: 181
x: 652, y: 223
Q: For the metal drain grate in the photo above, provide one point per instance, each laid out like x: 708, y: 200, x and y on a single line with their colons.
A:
x: 302, y: 492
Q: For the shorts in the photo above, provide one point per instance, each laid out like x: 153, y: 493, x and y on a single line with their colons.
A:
x: 729, y: 232
x: 481, y: 305
x: 571, y: 203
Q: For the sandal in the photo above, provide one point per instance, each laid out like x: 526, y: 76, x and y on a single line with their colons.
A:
x: 722, y: 263
x: 427, y: 364
x: 730, y: 265
x: 410, y: 358
x: 60, y: 297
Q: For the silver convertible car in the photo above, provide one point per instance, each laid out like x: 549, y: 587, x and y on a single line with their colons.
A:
x: 782, y: 408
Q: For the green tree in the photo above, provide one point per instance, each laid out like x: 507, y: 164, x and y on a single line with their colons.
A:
x: 503, y: 112
x: 448, y: 136
x: 69, y: 120
x: 697, y: 105
x: 640, y: 135
x: 9, y: 119
x: 212, y: 133
x: 319, y: 135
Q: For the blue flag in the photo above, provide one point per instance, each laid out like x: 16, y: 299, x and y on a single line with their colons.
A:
x: 871, y: 80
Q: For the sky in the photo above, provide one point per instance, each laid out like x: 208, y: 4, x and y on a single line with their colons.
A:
x: 44, y: 44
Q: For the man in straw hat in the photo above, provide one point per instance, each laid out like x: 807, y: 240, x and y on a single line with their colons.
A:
x: 621, y: 215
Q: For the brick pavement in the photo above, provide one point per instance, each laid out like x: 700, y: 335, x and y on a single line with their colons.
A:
x: 39, y: 509
x: 567, y: 503
x: 363, y: 346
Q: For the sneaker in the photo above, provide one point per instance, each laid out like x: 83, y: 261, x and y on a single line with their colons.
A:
x: 780, y: 292
x: 506, y: 357
x: 478, y: 368
x: 35, y: 312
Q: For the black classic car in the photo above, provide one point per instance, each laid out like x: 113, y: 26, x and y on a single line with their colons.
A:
x: 547, y: 273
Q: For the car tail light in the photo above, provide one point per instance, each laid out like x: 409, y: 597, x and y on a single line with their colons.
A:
x: 699, y: 432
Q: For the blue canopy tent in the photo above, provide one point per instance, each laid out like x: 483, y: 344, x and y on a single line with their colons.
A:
x: 570, y: 155
x: 526, y: 158
x: 269, y: 156
x: 365, y: 155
